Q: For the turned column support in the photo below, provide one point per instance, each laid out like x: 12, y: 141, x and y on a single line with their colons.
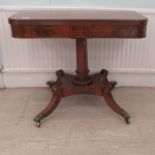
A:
x: 82, y: 70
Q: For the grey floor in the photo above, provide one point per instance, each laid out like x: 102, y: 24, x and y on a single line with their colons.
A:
x: 81, y: 125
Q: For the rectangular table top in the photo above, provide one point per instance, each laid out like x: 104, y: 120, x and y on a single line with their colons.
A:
x: 80, y: 24
x: 78, y: 15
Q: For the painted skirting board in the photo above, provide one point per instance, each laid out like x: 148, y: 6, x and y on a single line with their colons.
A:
x: 38, y: 78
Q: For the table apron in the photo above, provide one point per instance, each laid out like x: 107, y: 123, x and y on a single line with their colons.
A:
x: 79, y: 31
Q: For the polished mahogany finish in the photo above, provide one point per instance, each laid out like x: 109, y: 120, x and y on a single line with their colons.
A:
x: 79, y: 25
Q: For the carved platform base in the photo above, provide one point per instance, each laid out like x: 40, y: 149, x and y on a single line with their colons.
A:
x: 65, y: 86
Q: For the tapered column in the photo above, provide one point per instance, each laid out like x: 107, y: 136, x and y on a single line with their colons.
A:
x: 82, y: 70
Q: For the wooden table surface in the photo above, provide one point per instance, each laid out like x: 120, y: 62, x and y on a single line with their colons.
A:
x: 78, y: 15
x: 78, y: 24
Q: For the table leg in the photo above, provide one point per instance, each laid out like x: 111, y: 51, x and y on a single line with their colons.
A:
x: 82, y: 77
x: 82, y: 83
x: 49, y: 109
x: 107, y: 88
x: 57, y: 95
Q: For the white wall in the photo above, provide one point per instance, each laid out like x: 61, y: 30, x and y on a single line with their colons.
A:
x: 84, y: 3
x: 106, y: 3
x: 25, y: 2
x: 33, y: 62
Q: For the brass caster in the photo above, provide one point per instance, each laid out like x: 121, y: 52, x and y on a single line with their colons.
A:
x: 38, y: 124
x: 37, y: 119
x: 126, y: 117
x: 127, y: 121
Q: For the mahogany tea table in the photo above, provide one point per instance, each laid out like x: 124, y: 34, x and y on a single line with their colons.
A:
x: 79, y: 25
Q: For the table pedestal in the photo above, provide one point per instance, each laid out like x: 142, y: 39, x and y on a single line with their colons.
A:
x: 82, y: 83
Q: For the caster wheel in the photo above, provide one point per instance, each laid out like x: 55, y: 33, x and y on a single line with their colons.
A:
x: 126, y: 117
x: 127, y: 121
x: 37, y: 119
x: 38, y: 124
